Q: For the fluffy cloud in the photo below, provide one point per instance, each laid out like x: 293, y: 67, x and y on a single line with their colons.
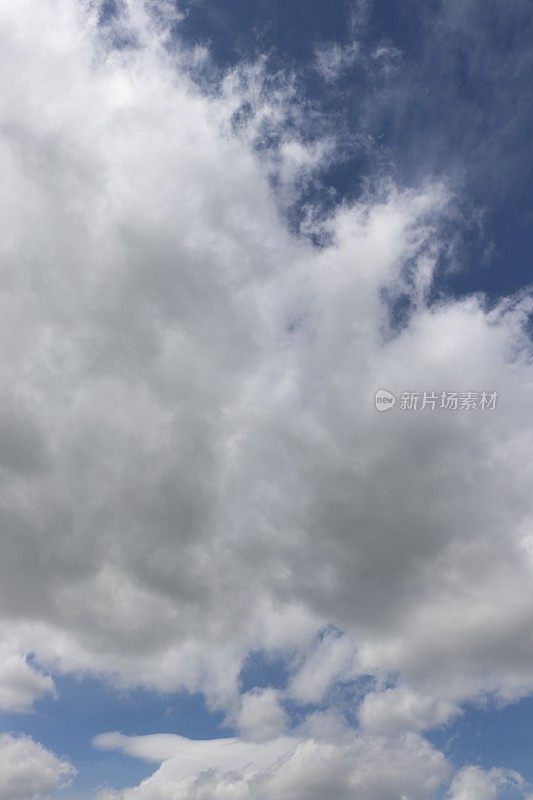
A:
x: 473, y: 783
x: 403, y: 709
x: 261, y: 717
x: 28, y: 771
x: 369, y: 769
x: 20, y: 683
x: 192, y: 465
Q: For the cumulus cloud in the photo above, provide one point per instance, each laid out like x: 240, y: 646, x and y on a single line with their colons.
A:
x: 21, y: 683
x: 261, y: 716
x: 473, y: 783
x: 28, y: 771
x: 400, y: 709
x: 192, y: 464
x: 369, y: 769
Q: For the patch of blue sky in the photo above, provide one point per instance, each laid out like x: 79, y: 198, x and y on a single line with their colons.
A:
x: 86, y: 707
x: 264, y: 671
x: 483, y: 736
x: 434, y: 93
x: 490, y: 737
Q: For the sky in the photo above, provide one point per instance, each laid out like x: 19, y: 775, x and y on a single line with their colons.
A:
x: 265, y: 400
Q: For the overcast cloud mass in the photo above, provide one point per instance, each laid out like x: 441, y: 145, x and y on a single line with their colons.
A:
x: 192, y: 468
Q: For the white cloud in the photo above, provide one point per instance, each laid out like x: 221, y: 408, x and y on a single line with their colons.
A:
x: 398, y: 709
x: 331, y: 659
x: 190, y: 756
x: 473, y: 783
x: 28, y: 771
x: 261, y: 716
x: 192, y: 466
x: 366, y: 768
x: 21, y: 683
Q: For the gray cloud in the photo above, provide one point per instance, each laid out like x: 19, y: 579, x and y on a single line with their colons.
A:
x: 193, y: 468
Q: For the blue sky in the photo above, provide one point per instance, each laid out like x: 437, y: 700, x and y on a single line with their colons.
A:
x: 84, y: 708
x: 228, y: 224
x: 485, y: 736
x: 456, y: 106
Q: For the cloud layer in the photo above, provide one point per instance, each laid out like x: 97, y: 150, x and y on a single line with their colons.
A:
x: 369, y: 769
x: 192, y: 465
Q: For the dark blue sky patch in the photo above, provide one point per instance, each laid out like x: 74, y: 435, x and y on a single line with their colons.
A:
x: 436, y: 91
